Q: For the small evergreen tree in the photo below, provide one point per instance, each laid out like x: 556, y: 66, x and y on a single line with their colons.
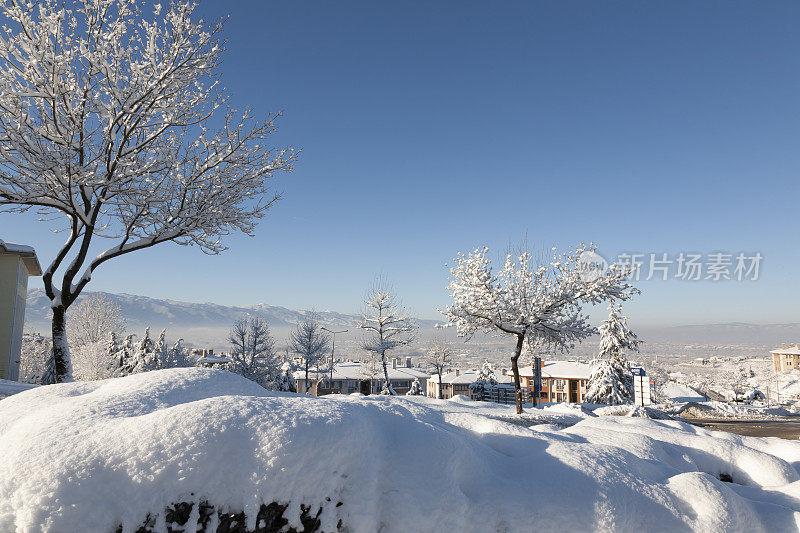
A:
x: 285, y: 382
x: 485, y: 379
x: 610, y: 381
x: 416, y: 388
x: 113, y: 354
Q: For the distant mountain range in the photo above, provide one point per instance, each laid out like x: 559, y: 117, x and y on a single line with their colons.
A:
x: 209, y: 323
x: 202, y: 322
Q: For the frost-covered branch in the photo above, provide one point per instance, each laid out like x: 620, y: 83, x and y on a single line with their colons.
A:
x: 107, y: 118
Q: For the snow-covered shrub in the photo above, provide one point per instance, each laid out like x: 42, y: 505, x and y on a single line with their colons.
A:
x: 416, y: 388
x: 485, y: 379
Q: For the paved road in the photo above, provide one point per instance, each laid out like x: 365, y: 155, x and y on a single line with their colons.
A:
x: 783, y: 428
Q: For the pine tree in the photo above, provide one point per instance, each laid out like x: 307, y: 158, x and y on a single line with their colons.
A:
x: 160, y: 358
x: 125, y: 355
x: 113, y: 354
x: 140, y: 358
x: 416, y: 388
x: 285, y: 382
x: 485, y: 379
x: 610, y: 381
x: 178, y: 356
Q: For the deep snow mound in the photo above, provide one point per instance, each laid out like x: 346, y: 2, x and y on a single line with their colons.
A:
x: 91, y: 456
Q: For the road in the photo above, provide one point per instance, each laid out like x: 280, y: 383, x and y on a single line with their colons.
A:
x: 783, y: 428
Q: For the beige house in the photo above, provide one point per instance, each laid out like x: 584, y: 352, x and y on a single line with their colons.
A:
x: 17, y: 262
x: 457, y: 382
x: 786, y: 357
x: 562, y: 381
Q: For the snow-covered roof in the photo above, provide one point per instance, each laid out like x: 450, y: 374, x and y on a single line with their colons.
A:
x: 560, y: 369
x: 354, y: 370
x: 27, y: 253
x: 465, y: 377
x: 214, y: 359
x: 791, y: 350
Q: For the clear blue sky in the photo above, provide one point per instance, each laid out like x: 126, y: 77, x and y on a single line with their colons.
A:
x: 433, y: 127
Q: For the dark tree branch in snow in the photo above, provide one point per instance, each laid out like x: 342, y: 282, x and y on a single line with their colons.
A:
x: 106, y: 119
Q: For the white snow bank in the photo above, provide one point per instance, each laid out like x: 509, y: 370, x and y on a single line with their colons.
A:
x: 88, y: 456
x: 680, y: 393
x: 7, y: 387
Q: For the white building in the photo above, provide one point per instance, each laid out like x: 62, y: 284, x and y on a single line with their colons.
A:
x: 17, y: 262
x: 457, y: 382
x: 352, y: 376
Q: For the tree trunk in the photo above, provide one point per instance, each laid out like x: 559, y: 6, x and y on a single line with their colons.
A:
x: 306, y: 381
x: 62, y: 370
x: 440, y: 383
x: 386, y: 375
x: 515, y: 370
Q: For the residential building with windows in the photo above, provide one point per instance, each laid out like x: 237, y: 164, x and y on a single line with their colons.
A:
x: 457, y: 382
x: 562, y: 381
x: 786, y: 357
x: 352, y: 376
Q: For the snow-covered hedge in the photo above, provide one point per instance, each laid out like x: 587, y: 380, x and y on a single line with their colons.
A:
x: 91, y: 456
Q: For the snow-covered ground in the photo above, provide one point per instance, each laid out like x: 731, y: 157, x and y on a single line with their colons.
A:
x: 7, y: 387
x: 89, y: 456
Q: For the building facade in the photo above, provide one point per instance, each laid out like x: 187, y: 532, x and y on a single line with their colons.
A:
x: 352, y: 376
x: 786, y: 357
x: 17, y: 262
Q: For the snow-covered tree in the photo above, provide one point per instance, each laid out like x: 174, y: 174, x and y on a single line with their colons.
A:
x: 541, y: 303
x: 310, y: 343
x: 610, y: 380
x: 285, y: 381
x: 113, y: 122
x: 386, y: 326
x: 416, y: 388
x: 438, y: 357
x: 485, y: 378
x: 35, y: 352
x: 91, y: 361
x: 125, y: 356
x: 139, y: 357
x: 253, y: 352
x: 93, y: 319
x: 178, y: 356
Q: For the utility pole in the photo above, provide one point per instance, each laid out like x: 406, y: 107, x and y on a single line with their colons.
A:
x: 333, y: 347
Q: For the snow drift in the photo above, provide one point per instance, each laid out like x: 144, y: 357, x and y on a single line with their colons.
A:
x: 92, y: 456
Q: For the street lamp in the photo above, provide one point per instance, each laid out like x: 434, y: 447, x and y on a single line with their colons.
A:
x: 333, y: 348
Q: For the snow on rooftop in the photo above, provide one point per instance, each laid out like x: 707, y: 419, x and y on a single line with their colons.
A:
x: 28, y: 256
x: 465, y: 377
x: 560, y: 369
x: 88, y: 456
x: 353, y: 370
x: 13, y: 247
x: 214, y: 359
x: 791, y: 350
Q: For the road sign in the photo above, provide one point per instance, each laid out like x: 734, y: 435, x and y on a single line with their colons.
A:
x: 641, y: 387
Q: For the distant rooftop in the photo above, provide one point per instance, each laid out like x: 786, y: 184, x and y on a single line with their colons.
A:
x: 792, y: 349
